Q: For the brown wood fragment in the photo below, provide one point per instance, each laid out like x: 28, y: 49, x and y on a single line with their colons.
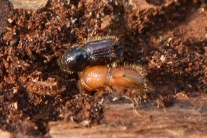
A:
x: 186, y: 117
x: 28, y: 4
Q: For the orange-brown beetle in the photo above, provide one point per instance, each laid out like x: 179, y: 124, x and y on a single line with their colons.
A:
x: 96, y: 77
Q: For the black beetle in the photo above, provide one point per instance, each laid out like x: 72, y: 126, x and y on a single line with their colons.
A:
x: 97, y: 52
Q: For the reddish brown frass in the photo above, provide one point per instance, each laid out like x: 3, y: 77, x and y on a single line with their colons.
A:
x: 51, y: 86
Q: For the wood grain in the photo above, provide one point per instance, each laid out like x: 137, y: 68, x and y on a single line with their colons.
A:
x: 187, y: 118
x: 28, y: 4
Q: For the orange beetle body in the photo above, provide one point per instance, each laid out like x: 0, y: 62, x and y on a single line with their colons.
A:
x: 93, y: 77
x: 96, y: 77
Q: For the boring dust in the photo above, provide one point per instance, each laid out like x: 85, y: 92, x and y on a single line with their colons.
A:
x: 168, y: 38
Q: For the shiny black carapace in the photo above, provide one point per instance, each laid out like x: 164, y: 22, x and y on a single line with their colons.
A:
x: 97, y: 52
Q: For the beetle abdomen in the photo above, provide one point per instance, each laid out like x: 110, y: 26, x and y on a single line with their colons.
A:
x: 104, y: 51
